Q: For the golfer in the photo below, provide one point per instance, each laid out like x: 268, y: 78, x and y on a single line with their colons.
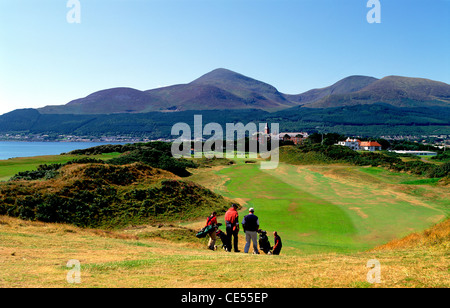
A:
x: 278, y: 244
x: 250, y: 223
x: 232, y: 227
x: 212, y: 220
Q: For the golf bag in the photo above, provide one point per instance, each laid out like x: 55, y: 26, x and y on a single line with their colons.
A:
x: 223, y: 237
x: 206, y: 230
x: 264, y: 243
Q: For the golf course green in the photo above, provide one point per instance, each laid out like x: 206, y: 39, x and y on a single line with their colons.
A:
x: 334, y: 208
x: 12, y: 166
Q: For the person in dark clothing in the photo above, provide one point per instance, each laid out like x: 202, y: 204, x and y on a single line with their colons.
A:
x: 278, y: 244
x: 250, y: 223
x: 232, y: 227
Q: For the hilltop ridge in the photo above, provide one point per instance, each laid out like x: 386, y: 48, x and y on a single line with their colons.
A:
x: 223, y: 89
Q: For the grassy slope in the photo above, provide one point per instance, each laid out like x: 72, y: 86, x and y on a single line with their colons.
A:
x: 379, y: 210
x: 332, y: 208
x: 305, y: 221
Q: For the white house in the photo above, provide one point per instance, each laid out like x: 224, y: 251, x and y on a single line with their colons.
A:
x: 356, y: 144
x: 370, y: 146
x: 353, y: 144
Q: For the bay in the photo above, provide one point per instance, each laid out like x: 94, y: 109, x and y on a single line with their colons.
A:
x: 10, y: 149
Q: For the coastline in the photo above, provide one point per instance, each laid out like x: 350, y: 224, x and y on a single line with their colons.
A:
x: 18, y: 148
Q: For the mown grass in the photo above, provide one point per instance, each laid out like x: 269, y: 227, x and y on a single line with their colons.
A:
x: 332, y: 208
x: 10, y: 167
x: 305, y: 221
x: 432, y: 181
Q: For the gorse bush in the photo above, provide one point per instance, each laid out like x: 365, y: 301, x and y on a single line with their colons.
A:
x: 42, y: 172
x: 164, y: 147
x: 175, y: 199
x: 442, y: 157
x: 157, y: 159
x: 156, y: 154
x: 440, y: 171
x: 111, y: 174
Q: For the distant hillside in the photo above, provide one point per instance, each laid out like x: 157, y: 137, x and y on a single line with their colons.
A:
x: 116, y: 100
x: 368, y: 120
x: 222, y: 89
x: 198, y: 97
x: 393, y: 90
x: 254, y: 93
x: 347, y: 85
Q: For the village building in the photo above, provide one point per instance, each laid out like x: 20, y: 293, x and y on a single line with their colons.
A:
x: 263, y: 137
x: 267, y: 136
x: 370, y: 146
x: 356, y: 145
x: 353, y: 144
x: 296, y: 138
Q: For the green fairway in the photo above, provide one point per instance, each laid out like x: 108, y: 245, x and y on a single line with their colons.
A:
x: 332, y: 208
x: 10, y: 167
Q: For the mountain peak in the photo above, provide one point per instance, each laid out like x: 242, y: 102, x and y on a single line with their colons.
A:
x: 348, y: 84
x: 220, y: 75
x: 394, y: 90
x: 254, y: 93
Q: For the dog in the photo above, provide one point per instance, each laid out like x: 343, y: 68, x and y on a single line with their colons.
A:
x: 223, y: 237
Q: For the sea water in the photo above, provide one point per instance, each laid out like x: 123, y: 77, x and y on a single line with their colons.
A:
x: 10, y: 149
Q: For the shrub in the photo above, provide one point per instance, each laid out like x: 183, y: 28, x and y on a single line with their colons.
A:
x: 440, y: 171
x: 42, y: 172
x: 157, y: 159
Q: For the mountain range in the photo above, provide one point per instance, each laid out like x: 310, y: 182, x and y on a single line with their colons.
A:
x: 223, y: 89
x: 356, y: 105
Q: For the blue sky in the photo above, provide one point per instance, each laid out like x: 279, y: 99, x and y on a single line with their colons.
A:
x: 294, y: 45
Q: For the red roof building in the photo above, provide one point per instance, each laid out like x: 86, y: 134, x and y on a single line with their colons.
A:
x: 370, y: 146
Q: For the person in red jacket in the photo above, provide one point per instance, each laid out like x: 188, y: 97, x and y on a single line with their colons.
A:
x: 212, y: 220
x: 277, y: 247
x: 232, y: 227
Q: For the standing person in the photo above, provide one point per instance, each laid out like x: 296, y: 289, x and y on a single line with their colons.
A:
x: 278, y: 244
x: 232, y: 227
x: 250, y: 223
x: 212, y: 221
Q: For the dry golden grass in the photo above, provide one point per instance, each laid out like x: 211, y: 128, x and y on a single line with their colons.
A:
x: 144, y: 175
x: 141, y: 172
x: 35, y: 254
x: 438, y: 235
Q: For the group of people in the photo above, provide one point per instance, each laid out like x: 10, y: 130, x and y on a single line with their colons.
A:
x: 250, y: 224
